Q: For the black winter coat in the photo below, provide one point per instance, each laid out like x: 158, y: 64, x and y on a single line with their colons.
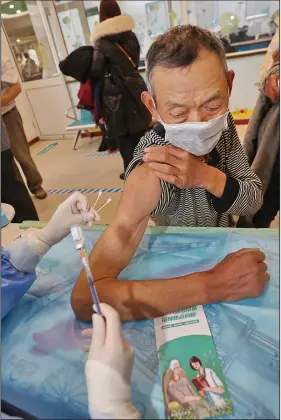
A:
x: 121, y: 83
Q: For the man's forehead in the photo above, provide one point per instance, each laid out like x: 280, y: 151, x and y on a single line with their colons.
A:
x: 205, y: 66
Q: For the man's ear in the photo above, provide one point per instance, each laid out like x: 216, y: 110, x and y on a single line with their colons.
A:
x: 230, y: 78
x: 148, y: 101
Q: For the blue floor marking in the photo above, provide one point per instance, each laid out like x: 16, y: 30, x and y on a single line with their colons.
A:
x: 86, y: 191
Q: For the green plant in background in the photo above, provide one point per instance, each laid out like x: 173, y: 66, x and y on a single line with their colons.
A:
x: 186, y: 413
x: 209, y: 360
x: 228, y: 409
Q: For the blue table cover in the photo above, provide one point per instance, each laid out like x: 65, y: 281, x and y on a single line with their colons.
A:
x: 42, y: 347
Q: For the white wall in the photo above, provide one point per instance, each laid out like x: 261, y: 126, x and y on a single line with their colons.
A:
x: 29, y: 122
x: 245, y: 93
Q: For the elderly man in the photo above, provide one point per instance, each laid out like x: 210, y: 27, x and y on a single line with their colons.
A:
x: 196, y: 174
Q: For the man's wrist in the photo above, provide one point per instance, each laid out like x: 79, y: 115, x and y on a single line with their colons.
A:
x: 213, y: 180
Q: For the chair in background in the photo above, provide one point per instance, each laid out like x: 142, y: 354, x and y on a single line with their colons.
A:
x: 83, y: 122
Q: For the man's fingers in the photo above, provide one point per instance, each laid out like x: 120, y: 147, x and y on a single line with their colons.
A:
x: 88, y: 332
x: 86, y: 348
x: 163, y: 168
x: 246, y: 251
x: 262, y: 267
x: 265, y: 277
x: 113, y: 334
x: 171, y: 179
x: 175, y: 151
x: 162, y: 157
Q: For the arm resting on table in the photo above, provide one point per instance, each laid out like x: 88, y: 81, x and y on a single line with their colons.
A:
x: 115, y: 249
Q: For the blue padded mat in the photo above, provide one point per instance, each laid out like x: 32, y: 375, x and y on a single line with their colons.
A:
x: 42, y: 347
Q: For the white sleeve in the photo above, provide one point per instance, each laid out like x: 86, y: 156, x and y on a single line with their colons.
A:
x: 8, y: 71
x: 216, y: 379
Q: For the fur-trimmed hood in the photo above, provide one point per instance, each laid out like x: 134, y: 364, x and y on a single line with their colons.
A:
x: 116, y: 25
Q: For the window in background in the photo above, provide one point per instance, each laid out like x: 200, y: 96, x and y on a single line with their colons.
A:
x: 92, y: 12
x: 242, y: 25
x: 152, y: 18
x: 78, y: 18
x: 28, y: 40
x: 73, y: 23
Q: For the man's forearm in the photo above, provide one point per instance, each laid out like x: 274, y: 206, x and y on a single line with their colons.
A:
x: 143, y: 299
x: 8, y: 95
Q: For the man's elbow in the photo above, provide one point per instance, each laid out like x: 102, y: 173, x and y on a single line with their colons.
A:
x: 108, y: 292
x: 81, y: 306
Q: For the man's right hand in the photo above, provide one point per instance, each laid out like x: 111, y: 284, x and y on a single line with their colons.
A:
x: 240, y: 275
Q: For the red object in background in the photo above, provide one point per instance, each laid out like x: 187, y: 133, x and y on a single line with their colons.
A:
x: 200, y: 382
x: 242, y: 111
x: 86, y: 100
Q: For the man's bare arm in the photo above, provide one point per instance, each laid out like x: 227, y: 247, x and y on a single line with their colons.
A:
x: 114, y: 251
x: 230, y: 280
x: 9, y: 94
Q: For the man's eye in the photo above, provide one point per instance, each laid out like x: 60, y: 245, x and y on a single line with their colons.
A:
x: 178, y: 116
x: 212, y: 107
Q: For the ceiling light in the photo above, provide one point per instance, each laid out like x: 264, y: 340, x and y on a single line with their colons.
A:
x: 12, y: 6
x: 18, y: 40
x: 18, y: 12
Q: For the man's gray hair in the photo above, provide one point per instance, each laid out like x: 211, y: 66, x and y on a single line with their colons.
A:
x: 180, y: 47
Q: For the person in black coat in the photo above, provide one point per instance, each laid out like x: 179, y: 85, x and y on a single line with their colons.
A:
x: 114, y: 66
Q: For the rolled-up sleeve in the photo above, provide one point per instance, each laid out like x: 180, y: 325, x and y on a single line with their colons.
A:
x: 243, y: 190
x: 167, y: 190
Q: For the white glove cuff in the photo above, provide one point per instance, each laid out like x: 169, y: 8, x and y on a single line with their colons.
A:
x: 109, y: 397
x: 26, y: 252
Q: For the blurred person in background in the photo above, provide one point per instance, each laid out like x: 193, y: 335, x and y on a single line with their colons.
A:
x: 115, y: 65
x: 272, y: 48
x: 13, y: 189
x: 262, y: 146
x: 30, y: 68
x: 10, y: 89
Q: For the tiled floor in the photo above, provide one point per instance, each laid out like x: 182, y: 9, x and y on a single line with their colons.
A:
x: 64, y: 169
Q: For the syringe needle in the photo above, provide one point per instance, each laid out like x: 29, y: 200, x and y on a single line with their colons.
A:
x: 105, y: 204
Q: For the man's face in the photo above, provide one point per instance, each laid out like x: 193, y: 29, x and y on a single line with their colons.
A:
x: 196, y: 93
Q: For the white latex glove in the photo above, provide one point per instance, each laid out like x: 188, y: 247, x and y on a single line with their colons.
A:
x: 109, y: 369
x: 26, y: 252
x: 74, y: 210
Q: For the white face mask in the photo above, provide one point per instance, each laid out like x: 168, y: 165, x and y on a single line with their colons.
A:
x: 197, y: 138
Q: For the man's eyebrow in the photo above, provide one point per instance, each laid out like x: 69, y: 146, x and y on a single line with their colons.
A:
x: 212, y: 97
x: 170, y: 105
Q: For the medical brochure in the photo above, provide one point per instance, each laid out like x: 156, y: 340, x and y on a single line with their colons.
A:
x: 193, y: 384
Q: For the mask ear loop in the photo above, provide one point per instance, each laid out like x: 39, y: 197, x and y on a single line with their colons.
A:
x: 154, y: 104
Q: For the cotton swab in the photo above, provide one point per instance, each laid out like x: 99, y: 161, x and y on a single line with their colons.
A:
x: 98, y: 197
x: 105, y: 204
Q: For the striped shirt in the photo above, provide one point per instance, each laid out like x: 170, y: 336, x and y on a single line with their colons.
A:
x: 196, y: 206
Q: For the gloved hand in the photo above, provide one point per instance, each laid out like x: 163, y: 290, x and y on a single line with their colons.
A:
x: 26, y: 252
x: 74, y: 210
x: 109, y: 369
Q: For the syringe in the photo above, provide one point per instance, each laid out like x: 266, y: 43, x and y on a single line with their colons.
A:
x: 78, y: 238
